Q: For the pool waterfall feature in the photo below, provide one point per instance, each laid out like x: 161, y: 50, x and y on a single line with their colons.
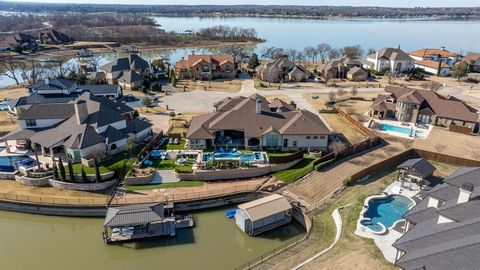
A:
x: 381, y: 213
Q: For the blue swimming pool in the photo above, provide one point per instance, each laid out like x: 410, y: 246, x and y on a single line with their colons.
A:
x: 386, y: 210
x: 403, y: 130
x: 7, y: 164
x: 250, y: 157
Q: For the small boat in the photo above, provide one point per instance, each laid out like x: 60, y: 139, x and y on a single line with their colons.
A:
x: 230, y: 213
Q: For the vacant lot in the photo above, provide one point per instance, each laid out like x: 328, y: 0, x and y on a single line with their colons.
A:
x: 7, y: 124
x: 230, y: 86
x: 340, y: 125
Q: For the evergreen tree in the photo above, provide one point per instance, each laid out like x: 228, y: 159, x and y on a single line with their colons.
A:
x: 84, y: 176
x: 63, y: 175
x: 98, y: 177
x: 55, y: 171
x: 253, y: 62
x: 70, y: 171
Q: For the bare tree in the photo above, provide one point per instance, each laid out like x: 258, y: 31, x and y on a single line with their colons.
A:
x: 332, y: 96
x: 94, y: 61
x: 310, y: 52
x: 353, y: 52
x: 9, y: 68
x: 340, y: 92
x: 323, y: 49
x: 354, y: 91
x: 292, y: 54
x: 333, y: 54
x: 371, y: 51
x: 32, y: 71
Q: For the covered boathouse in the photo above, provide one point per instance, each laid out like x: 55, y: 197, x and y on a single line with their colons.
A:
x: 137, y: 222
x: 264, y: 214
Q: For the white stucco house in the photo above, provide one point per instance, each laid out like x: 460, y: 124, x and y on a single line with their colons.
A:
x: 395, y: 60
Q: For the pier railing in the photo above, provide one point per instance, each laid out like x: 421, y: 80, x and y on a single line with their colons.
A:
x: 130, y: 199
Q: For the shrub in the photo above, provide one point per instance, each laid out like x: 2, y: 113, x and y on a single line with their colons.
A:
x: 348, y: 182
x: 183, y: 170
x: 172, y: 114
x: 55, y: 171
x: 63, y: 175
x: 70, y: 171
x: 84, y: 176
x: 98, y: 176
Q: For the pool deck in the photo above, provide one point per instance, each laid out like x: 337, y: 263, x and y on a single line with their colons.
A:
x: 384, y: 241
x: 399, y: 124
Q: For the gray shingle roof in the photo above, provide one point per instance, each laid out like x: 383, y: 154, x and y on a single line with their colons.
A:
x: 126, y: 63
x: 48, y: 111
x: 419, y: 166
x: 101, y: 89
x: 448, y: 245
x: 241, y: 115
x: 55, y: 84
x: 134, y: 215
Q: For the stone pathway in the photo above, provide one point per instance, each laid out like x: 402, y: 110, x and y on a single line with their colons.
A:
x: 164, y: 176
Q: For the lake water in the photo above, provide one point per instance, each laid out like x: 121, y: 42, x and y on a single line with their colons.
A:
x: 44, y: 243
x: 461, y: 36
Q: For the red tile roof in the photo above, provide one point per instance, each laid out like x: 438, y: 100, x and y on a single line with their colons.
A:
x: 428, y: 52
x: 192, y: 60
x: 472, y: 57
x: 430, y: 64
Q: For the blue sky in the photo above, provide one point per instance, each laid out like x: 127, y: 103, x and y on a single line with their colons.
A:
x: 389, y: 3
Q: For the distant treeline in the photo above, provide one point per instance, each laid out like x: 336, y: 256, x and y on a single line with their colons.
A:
x: 122, y: 28
x: 250, y: 10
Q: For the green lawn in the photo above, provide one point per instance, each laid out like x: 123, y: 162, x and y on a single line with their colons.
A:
x: 295, y: 172
x: 167, y: 185
x: 77, y: 169
x: 169, y: 164
x: 167, y: 146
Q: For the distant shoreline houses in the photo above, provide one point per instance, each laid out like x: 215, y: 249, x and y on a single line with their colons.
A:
x: 206, y: 67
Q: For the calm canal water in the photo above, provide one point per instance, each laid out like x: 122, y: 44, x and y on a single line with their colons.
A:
x: 44, y: 243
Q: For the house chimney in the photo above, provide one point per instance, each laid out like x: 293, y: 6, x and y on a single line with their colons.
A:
x: 442, y: 48
x: 258, y: 106
x: 465, y: 192
x: 375, y: 64
x: 81, y: 111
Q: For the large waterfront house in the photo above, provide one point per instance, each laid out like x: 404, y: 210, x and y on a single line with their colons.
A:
x: 423, y: 106
x: 59, y: 91
x: 391, y: 59
x: 22, y: 40
x: 343, y: 68
x: 206, y: 67
x: 436, y: 55
x: 443, y: 230
x: 282, y: 70
x: 129, y: 72
x: 251, y: 122
x: 84, y: 127
x: 473, y: 60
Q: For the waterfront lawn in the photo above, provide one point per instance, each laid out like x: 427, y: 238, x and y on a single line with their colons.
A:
x: 77, y: 169
x: 295, y: 172
x: 168, y: 146
x: 351, y: 249
x: 167, y: 185
x: 169, y: 164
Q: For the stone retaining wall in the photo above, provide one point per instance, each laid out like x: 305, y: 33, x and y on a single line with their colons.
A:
x: 8, y: 175
x: 35, y: 182
x: 211, y: 175
x: 139, y: 180
x: 81, y: 186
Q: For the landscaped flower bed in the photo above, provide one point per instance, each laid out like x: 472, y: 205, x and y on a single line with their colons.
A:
x: 139, y: 176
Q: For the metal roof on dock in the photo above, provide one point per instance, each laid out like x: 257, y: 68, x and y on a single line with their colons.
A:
x: 266, y: 206
x: 134, y: 215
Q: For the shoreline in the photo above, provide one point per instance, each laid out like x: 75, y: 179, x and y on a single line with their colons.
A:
x: 310, y: 17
